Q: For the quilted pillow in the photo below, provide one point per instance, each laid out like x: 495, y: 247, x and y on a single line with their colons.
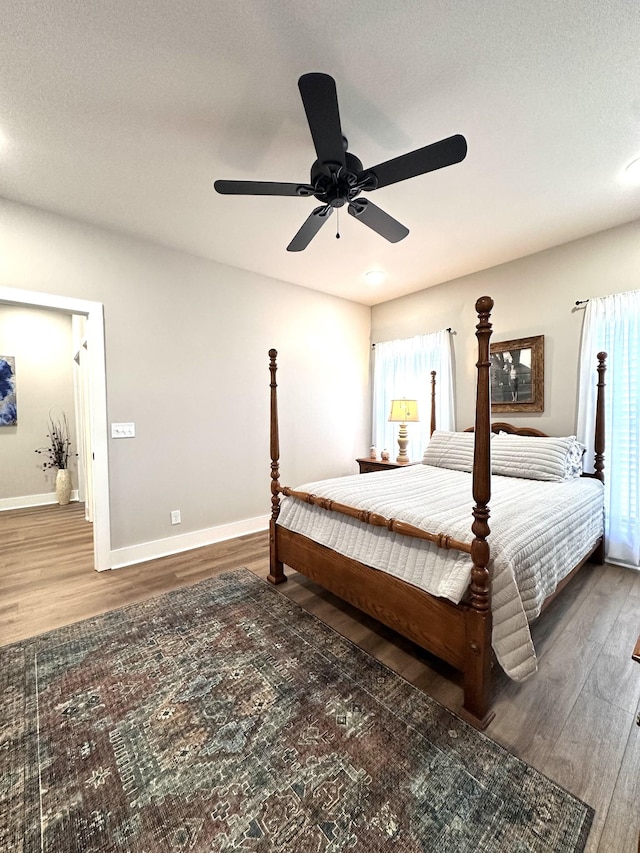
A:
x: 574, y: 461
x: 537, y: 458
x: 450, y: 450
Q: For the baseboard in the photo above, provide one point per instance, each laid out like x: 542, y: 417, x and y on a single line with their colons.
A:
x: 33, y: 500
x: 121, y: 557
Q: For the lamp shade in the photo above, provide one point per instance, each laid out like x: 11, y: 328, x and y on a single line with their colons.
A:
x: 404, y: 411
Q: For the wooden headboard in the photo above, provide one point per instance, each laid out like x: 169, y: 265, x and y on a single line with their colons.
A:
x: 503, y: 426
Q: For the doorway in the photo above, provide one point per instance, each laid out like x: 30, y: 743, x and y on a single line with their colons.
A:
x: 95, y: 412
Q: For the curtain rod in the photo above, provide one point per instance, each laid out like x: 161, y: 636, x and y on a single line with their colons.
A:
x: 450, y: 330
x: 581, y: 301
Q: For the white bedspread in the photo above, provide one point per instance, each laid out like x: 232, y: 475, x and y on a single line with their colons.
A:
x: 539, y: 531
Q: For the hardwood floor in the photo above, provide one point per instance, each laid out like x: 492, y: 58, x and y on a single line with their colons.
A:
x: 574, y: 720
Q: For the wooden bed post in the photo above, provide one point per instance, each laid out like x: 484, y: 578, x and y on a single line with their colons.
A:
x: 477, y: 673
x: 276, y: 572
x: 599, y: 433
x: 433, y: 402
x: 598, y: 445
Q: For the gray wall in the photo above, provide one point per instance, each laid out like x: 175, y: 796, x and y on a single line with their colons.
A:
x: 187, y: 342
x: 40, y: 340
x: 186, y: 354
x: 534, y: 295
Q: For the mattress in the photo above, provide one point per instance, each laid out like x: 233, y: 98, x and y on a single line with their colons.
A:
x: 539, y: 531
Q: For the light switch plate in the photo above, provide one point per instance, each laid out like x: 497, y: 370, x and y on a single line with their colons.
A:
x: 123, y: 430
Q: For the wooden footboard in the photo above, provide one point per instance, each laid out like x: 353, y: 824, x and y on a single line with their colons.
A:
x: 453, y: 633
x: 433, y: 623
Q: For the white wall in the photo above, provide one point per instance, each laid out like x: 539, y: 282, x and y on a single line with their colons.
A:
x: 535, y: 295
x: 186, y: 353
x: 40, y: 340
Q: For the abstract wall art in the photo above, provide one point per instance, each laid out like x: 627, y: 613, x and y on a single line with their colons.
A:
x: 8, y: 404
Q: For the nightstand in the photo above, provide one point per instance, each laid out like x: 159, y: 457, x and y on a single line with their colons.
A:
x: 368, y: 465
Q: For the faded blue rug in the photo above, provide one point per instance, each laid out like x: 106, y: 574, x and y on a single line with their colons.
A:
x: 223, y: 717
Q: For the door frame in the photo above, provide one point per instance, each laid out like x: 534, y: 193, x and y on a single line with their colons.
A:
x: 94, y: 312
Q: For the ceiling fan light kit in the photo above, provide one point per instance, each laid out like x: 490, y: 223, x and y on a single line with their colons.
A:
x: 375, y: 276
x: 337, y: 176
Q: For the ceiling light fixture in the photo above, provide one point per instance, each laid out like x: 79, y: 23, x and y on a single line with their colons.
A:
x: 375, y: 276
x: 631, y: 174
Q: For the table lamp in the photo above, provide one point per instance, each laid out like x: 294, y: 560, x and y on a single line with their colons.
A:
x: 402, y: 412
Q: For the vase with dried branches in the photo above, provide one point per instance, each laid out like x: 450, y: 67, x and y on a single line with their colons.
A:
x: 57, y: 454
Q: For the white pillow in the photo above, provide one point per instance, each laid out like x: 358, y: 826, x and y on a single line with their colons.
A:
x: 450, y: 450
x: 536, y: 458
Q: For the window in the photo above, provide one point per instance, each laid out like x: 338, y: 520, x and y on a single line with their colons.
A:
x: 612, y: 325
x: 402, y: 368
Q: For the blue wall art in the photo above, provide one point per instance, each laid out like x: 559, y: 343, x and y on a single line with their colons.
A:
x: 8, y: 405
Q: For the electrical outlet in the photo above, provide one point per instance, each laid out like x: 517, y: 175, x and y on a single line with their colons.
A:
x: 175, y: 516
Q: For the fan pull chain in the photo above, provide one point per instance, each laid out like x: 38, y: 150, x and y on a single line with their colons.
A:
x: 338, y: 224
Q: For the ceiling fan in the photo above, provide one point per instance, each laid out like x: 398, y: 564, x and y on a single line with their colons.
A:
x: 337, y: 176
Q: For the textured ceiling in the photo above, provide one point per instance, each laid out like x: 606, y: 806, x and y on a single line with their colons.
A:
x: 124, y: 113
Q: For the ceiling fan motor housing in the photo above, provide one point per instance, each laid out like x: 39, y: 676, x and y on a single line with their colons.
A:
x: 335, y: 184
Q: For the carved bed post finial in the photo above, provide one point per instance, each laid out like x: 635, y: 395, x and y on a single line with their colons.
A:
x: 276, y: 572
x: 433, y: 402
x: 477, y: 674
x: 599, y: 433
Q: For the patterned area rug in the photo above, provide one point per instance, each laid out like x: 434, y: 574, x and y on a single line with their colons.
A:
x: 222, y: 717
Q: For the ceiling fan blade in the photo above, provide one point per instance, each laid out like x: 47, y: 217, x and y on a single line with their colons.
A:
x: 262, y: 188
x: 320, y: 101
x: 310, y: 227
x: 379, y: 221
x: 446, y: 152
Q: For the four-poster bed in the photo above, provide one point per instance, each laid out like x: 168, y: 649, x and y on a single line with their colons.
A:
x: 456, y: 627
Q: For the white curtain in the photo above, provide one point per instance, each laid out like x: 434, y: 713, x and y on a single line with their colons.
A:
x: 612, y: 325
x: 402, y: 368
